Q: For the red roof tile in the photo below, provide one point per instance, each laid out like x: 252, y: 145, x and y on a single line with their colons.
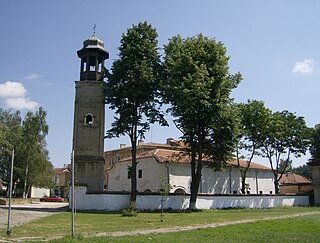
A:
x: 292, y: 178
x: 176, y: 156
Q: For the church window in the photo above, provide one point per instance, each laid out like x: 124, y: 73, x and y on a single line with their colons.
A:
x: 88, y: 120
x: 140, y: 173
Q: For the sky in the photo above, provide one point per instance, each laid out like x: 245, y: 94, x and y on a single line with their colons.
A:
x: 274, y: 44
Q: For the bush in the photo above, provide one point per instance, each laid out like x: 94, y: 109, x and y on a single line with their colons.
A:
x: 130, y: 211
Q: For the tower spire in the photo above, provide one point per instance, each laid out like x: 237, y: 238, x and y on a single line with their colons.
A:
x: 94, y: 29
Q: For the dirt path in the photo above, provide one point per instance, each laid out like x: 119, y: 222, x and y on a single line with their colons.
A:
x: 186, y: 228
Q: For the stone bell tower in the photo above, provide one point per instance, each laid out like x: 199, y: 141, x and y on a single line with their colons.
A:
x: 89, y: 116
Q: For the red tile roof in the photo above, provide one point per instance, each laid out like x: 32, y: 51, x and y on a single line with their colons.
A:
x: 176, y: 156
x: 61, y: 170
x: 292, y: 178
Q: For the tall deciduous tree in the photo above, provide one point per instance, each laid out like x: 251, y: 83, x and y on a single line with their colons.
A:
x: 31, y: 165
x: 285, y: 135
x: 132, y: 89
x: 315, y: 143
x: 35, y: 162
x: 253, y: 118
x: 197, y: 84
x: 10, y: 138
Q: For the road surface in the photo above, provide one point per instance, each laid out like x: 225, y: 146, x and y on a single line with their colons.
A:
x: 25, y: 213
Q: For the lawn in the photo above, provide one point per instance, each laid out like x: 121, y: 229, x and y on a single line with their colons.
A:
x: 93, y: 223
x: 302, y: 229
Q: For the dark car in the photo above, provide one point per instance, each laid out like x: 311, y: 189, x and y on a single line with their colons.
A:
x: 51, y: 199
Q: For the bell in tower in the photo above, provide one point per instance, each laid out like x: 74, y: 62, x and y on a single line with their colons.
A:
x: 89, y: 116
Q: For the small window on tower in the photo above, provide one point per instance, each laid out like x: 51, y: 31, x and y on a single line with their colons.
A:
x: 88, y: 119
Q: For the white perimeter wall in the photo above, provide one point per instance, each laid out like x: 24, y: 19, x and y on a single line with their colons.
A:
x: 39, y: 192
x: 113, y: 202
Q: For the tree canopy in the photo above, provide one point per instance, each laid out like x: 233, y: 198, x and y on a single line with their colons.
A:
x: 285, y: 135
x: 253, y: 120
x: 132, y: 89
x: 315, y: 143
x: 27, y: 138
x: 197, y: 84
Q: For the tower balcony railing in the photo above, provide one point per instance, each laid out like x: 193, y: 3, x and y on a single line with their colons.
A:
x: 91, y: 75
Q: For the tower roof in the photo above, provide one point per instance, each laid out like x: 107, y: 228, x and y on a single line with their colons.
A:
x: 93, y: 43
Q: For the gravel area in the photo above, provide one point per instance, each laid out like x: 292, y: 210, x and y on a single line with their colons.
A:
x: 25, y: 213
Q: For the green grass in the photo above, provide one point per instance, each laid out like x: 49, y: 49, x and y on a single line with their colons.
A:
x: 302, y: 229
x: 91, y: 223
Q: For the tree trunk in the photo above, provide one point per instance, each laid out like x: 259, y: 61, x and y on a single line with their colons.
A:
x: 243, y: 184
x: 243, y: 173
x: 276, y: 186
x: 133, y: 138
x: 133, y: 193
x: 194, y: 191
x: 195, y: 182
x: 24, y: 195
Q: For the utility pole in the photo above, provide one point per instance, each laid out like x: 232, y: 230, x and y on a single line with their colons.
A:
x: 10, y: 194
x: 72, y: 194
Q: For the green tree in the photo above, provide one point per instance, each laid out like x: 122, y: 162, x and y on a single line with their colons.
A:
x: 31, y: 165
x: 164, y: 190
x: 132, y: 89
x: 253, y: 119
x: 315, y: 143
x: 35, y: 170
x: 10, y: 138
x: 285, y: 135
x: 302, y: 170
x: 197, y: 84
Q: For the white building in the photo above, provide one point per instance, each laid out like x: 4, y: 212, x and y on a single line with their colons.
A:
x: 163, y: 162
x: 315, y: 171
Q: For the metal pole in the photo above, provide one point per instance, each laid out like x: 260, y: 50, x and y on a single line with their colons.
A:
x: 72, y: 193
x: 10, y: 194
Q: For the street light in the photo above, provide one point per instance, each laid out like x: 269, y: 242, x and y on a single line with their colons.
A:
x: 10, y: 194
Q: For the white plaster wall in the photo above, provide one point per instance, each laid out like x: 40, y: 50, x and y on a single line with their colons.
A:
x: 110, y: 202
x: 267, y: 201
x: 180, y: 178
x: 114, y: 202
x: 151, y: 173
x: 39, y: 192
x: 218, y: 182
x: 265, y: 179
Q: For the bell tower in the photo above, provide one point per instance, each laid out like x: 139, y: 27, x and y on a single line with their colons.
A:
x: 89, y: 116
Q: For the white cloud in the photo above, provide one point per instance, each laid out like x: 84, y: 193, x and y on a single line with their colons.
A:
x: 21, y: 103
x: 12, y: 89
x: 33, y: 76
x: 14, y: 96
x: 303, y: 67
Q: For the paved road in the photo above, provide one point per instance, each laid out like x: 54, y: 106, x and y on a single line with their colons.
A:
x: 24, y: 213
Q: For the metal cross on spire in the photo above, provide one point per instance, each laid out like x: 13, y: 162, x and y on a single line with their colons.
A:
x: 94, y: 29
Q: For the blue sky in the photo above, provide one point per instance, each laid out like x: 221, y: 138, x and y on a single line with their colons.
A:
x: 274, y: 44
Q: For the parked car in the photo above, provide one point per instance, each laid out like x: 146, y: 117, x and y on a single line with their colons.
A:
x: 51, y: 199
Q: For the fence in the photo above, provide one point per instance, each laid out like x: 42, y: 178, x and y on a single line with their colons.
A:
x: 114, y: 202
